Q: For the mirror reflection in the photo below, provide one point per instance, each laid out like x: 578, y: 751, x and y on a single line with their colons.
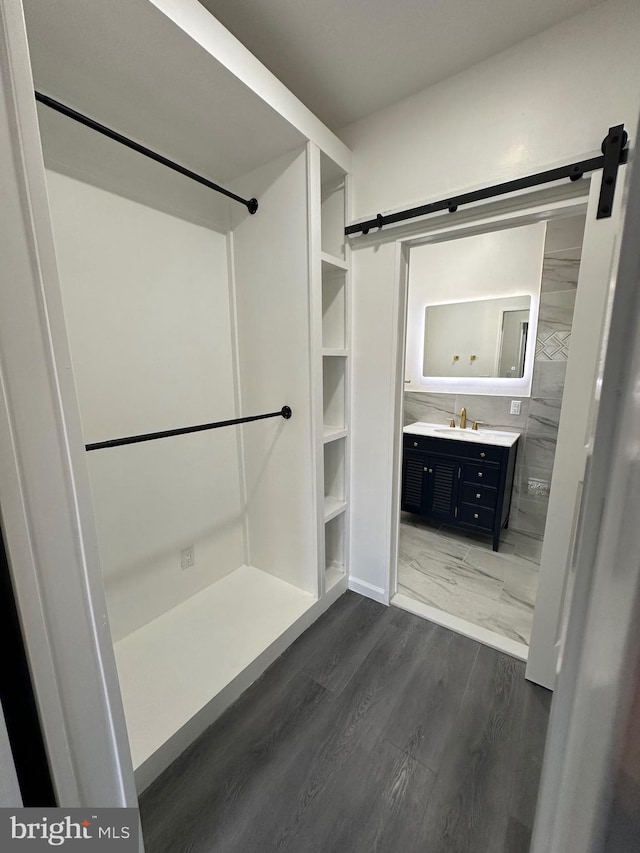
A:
x: 479, y: 338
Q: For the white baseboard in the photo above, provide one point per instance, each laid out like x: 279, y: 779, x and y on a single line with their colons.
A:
x: 377, y: 593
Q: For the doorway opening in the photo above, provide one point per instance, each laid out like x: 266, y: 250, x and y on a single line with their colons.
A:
x: 499, y: 372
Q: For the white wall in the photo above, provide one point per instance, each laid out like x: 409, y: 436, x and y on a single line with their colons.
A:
x: 543, y: 102
x: 272, y: 297
x: 485, y: 266
x: 146, y: 298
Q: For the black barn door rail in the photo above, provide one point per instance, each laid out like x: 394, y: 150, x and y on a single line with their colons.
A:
x: 614, y: 154
x: 285, y: 412
x: 251, y: 204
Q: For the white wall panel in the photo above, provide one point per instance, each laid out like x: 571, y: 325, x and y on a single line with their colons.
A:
x: 546, y: 101
x: 146, y: 300
x: 272, y: 298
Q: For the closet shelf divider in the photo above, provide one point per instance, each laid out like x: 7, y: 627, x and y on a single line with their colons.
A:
x: 332, y: 261
x: 333, y: 433
x: 333, y: 507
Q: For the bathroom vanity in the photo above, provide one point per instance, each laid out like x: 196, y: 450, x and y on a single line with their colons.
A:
x: 460, y: 477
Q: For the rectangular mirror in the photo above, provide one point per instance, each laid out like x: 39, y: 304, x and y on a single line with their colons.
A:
x: 477, y: 339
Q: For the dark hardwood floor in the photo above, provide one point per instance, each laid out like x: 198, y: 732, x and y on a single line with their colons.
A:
x: 375, y: 731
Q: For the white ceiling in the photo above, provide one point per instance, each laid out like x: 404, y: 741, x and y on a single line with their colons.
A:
x: 346, y: 59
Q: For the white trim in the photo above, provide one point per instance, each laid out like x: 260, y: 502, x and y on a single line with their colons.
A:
x: 208, y: 32
x: 461, y: 626
x: 314, y: 223
x: 368, y: 589
x: 548, y: 203
x: 237, y: 393
x: 44, y: 486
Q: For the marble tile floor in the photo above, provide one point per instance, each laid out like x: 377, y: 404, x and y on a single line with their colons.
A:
x: 458, y: 573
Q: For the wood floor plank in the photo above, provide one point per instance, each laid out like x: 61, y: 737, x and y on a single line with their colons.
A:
x: 203, y: 791
x: 334, y: 664
x: 344, y: 766
x: 371, y: 806
x: 468, y: 810
x: 340, y: 740
x: 318, y: 637
x: 428, y: 708
x: 536, y: 703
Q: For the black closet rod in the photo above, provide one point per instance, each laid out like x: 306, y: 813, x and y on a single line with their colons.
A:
x: 613, y: 154
x: 285, y: 412
x: 251, y: 204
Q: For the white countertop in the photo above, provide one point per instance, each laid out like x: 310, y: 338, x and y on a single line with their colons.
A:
x: 477, y: 436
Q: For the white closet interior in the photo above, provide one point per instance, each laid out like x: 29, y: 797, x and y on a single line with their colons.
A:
x: 182, y: 308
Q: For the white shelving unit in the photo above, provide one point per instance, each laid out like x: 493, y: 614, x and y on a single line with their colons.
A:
x: 252, y: 588
x: 330, y: 277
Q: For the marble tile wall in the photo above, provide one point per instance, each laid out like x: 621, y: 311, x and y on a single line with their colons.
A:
x: 540, y: 415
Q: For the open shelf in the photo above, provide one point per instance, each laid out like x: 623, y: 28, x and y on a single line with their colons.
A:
x: 334, y: 548
x: 332, y: 264
x: 332, y: 211
x: 333, y: 507
x: 333, y: 308
x: 332, y: 576
x: 330, y: 433
x: 335, y: 352
x: 334, y: 479
x: 334, y: 391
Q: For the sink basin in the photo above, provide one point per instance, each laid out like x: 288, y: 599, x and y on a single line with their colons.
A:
x: 501, y: 438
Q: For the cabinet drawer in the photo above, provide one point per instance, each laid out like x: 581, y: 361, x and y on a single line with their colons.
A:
x: 482, y: 452
x: 453, y: 447
x: 479, y: 495
x: 477, y: 516
x: 417, y: 442
x: 483, y: 475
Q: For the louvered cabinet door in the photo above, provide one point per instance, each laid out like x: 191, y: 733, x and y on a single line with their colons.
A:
x: 414, y: 481
x: 442, y: 490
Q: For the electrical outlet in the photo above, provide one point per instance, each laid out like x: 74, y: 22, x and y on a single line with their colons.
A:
x: 515, y: 407
x: 187, y: 557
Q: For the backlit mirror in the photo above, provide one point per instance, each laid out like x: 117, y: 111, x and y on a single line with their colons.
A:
x: 482, y: 338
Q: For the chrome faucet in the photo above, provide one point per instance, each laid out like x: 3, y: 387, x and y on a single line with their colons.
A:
x: 463, y: 418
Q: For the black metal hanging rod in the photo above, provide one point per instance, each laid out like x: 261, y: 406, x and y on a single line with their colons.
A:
x: 613, y: 154
x: 285, y: 412
x: 251, y: 204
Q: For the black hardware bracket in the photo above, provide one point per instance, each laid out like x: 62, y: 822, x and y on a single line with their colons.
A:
x: 612, y: 146
x: 614, y: 154
x: 251, y: 204
x: 285, y: 412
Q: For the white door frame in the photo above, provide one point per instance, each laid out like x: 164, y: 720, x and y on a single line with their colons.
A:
x: 547, y: 203
x: 45, y: 501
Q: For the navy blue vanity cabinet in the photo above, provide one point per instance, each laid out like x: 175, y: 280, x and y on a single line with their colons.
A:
x: 464, y: 484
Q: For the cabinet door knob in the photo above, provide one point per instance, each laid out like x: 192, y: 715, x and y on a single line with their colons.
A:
x: 483, y: 454
x: 475, y: 515
x: 478, y: 495
x: 431, y: 470
x: 479, y: 473
x: 415, y: 443
x: 425, y: 469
